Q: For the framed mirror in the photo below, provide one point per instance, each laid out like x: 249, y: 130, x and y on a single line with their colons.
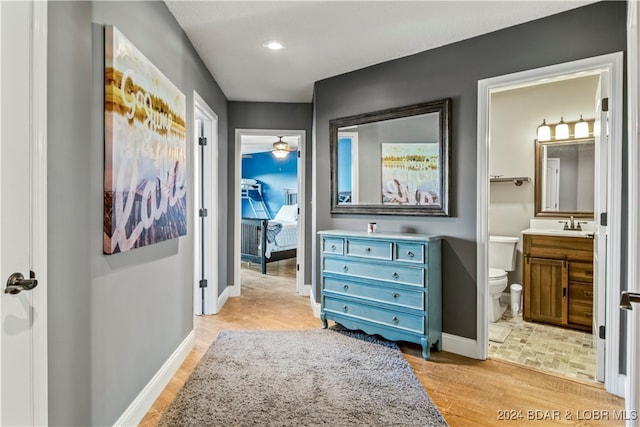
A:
x: 392, y: 162
x: 564, y: 178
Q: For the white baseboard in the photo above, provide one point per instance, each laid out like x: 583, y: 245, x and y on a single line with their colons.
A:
x: 222, y: 299
x: 460, y: 345
x: 143, y: 402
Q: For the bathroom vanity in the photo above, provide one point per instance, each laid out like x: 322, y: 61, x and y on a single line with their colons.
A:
x: 558, y: 278
x: 383, y: 283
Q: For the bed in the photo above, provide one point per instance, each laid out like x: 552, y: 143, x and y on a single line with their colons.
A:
x: 269, y: 240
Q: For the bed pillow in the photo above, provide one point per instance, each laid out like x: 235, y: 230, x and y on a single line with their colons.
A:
x: 288, y: 213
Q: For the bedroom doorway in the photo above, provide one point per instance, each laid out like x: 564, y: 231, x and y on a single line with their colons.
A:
x: 269, y: 206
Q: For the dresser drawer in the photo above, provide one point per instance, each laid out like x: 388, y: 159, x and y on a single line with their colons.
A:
x: 369, y: 249
x: 410, y: 252
x: 401, y: 297
x: 581, y: 293
x: 390, y: 317
x: 581, y: 272
x: 332, y: 245
x: 378, y: 271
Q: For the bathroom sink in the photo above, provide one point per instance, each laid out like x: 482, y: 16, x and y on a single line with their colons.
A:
x: 553, y: 232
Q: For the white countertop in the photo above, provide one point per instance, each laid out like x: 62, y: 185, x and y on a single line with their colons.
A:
x: 563, y: 233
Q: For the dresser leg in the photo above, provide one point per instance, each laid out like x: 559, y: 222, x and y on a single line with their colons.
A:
x: 426, y: 349
x: 324, y: 321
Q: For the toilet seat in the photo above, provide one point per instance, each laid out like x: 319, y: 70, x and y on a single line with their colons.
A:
x: 497, y: 274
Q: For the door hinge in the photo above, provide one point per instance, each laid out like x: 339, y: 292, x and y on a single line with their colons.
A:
x: 297, y: 267
x: 299, y: 155
x: 601, y: 332
x: 603, y: 219
x: 298, y: 211
x: 203, y: 283
x: 202, y: 140
x: 605, y: 104
x: 203, y: 213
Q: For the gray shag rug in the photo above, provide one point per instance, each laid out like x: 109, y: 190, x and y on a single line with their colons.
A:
x: 302, y: 378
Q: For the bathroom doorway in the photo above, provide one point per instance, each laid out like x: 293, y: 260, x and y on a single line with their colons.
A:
x: 607, y: 70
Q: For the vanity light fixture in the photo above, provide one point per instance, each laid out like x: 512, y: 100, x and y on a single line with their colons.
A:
x: 581, y: 129
x: 562, y: 130
x: 274, y: 45
x: 544, y: 131
x: 280, y: 149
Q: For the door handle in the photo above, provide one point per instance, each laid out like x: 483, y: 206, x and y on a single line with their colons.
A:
x: 626, y: 298
x: 16, y: 283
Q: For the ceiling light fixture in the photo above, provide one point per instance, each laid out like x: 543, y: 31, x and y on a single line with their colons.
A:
x: 280, y: 149
x: 274, y: 45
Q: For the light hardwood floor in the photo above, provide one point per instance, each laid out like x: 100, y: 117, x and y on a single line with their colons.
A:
x: 468, y: 392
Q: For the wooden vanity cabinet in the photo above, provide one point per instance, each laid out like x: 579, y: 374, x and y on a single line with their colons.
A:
x: 558, y: 280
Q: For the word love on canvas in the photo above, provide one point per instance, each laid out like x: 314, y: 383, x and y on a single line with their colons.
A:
x: 155, y: 120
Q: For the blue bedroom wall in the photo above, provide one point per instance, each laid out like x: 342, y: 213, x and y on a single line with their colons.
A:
x: 274, y: 174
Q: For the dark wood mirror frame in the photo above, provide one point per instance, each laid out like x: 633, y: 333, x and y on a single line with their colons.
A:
x: 443, y: 108
x: 539, y: 212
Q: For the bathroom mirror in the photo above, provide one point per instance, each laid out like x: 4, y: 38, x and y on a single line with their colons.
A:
x: 564, y: 178
x: 392, y: 162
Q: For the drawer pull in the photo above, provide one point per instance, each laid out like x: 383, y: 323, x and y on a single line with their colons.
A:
x: 345, y: 308
x: 564, y: 293
x: 588, y: 314
x: 333, y: 247
x: 395, y: 294
x: 345, y: 268
x: 345, y: 287
x: 410, y: 254
x: 395, y: 319
x: 367, y: 250
x: 588, y: 273
x: 395, y: 275
x: 588, y: 294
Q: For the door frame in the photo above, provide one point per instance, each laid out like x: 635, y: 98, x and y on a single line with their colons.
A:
x: 613, y: 63
x: 301, y: 288
x: 632, y: 388
x: 213, y: 301
x: 37, y: 139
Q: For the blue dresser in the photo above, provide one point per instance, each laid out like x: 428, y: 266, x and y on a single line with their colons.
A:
x: 383, y: 283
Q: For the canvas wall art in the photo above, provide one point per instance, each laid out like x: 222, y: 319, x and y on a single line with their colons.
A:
x: 145, y: 187
x: 411, y: 174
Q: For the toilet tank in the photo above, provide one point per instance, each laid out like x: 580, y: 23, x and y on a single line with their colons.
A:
x: 502, y: 252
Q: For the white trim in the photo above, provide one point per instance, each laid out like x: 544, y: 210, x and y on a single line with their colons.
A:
x: 145, y: 399
x: 202, y: 111
x: 632, y: 386
x: 613, y: 63
x: 235, y: 288
x: 316, y: 307
x: 459, y: 345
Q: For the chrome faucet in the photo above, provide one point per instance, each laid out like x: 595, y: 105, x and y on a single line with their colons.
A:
x: 572, y: 225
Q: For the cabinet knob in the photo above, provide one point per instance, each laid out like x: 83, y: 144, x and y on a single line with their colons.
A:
x: 395, y: 294
x: 345, y: 287
x: 588, y: 294
x: 368, y: 250
x: 345, y: 268
x: 395, y: 319
x: 345, y: 308
x: 395, y: 275
x: 333, y: 247
x: 410, y: 254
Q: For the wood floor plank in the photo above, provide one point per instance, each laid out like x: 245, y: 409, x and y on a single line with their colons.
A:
x: 467, y: 391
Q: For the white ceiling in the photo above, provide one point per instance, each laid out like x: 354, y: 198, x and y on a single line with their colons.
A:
x: 328, y: 38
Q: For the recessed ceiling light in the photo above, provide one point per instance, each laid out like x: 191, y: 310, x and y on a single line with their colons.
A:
x: 274, y: 45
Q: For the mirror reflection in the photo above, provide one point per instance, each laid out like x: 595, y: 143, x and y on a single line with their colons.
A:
x: 391, y: 162
x: 565, y: 173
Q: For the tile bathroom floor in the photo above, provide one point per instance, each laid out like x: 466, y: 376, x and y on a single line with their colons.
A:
x: 546, y: 348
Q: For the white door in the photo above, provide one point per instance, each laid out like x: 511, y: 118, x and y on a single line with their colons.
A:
x: 551, y: 189
x: 601, y: 137
x: 23, y: 361
x: 632, y: 387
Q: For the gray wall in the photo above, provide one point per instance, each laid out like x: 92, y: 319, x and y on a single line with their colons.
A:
x: 453, y: 72
x: 113, y: 320
x: 277, y: 116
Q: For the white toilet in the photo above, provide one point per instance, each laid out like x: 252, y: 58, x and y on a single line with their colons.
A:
x: 502, y: 258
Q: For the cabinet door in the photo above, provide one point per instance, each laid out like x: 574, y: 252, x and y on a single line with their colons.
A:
x: 546, y: 288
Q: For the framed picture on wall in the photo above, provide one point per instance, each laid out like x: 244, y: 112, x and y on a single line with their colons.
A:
x: 145, y: 186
